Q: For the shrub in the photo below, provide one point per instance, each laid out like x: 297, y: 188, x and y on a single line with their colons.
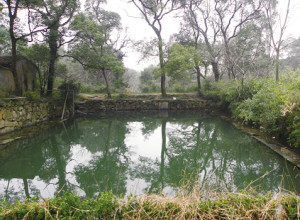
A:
x: 32, y: 95
x: 101, y: 89
x: 68, y: 89
x: 86, y: 88
x: 192, y: 88
x: 178, y: 88
x: 263, y: 102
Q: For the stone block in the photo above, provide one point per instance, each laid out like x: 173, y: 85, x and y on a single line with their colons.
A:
x: 15, y: 115
x: 163, y: 105
x: 29, y: 116
x: 2, y: 123
x: 11, y: 123
x: 8, y: 115
x: 6, y: 130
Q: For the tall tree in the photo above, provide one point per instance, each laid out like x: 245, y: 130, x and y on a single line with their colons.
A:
x: 13, y: 7
x: 219, y: 23
x: 189, y: 35
x: 276, y: 21
x: 183, y: 61
x: 199, y: 15
x: 232, y: 16
x: 94, y: 47
x: 55, y: 16
x: 12, y: 13
x: 153, y: 12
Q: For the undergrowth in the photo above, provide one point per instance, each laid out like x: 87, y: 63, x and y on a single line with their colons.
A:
x: 263, y: 103
x: 108, y: 206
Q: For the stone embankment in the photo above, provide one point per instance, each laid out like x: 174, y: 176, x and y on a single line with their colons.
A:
x: 95, y: 106
x: 19, y: 112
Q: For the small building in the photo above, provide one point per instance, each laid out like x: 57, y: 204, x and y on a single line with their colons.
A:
x: 26, y: 72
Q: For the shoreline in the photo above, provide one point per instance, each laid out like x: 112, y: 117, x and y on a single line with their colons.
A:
x: 157, y: 105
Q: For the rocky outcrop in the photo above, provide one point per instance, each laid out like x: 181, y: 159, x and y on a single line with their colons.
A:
x: 26, y: 72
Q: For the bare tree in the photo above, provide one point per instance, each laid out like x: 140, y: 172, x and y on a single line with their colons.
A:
x: 232, y: 16
x: 201, y: 20
x: 276, y: 36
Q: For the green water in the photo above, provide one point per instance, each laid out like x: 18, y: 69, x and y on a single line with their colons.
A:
x: 138, y: 153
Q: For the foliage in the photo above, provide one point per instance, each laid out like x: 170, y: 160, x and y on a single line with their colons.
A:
x: 86, y: 88
x: 32, y: 95
x: 192, y: 88
x: 180, y: 60
x: 107, y: 206
x: 68, y: 89
x: 178, y: 88
x: 148, y: 81
x: 4, y: 40
x: 39, y: 54
x: 94, y: 49
x: 263, y: 103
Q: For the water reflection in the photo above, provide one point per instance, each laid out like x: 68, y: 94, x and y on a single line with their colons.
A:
x: 140, y: 153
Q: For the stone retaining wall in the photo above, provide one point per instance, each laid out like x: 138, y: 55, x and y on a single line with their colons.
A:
x: 94, y: 106
x: 19, y: 113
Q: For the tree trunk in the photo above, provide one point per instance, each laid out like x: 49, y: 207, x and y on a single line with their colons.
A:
x: 206, y: 69
x: 18, y: 85
x: 18, y: 89
x: 26, y: 188
x: 161, y: 63
x: 106, y: 83
x: 277, y: 65
x: 60, y: 164
x: 53, y: 54
x: 162, y: 155
x: 198, y: 80
x: 228, y: 63
x: 12, y: 18
x: 215, y: 70
x: 197, y: 66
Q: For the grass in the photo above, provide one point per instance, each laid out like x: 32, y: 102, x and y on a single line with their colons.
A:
x: 107, y: 206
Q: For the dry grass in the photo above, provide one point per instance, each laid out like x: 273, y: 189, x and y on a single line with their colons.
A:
x: 223, y: 206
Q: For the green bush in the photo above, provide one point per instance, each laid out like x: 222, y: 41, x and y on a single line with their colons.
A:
x: 178, y: 88
x: 263, y: 103
x: 149, y: 87
x: 86, y: 88
x: 32, y: 95
x: 192, y: 88
x: 101, y: 89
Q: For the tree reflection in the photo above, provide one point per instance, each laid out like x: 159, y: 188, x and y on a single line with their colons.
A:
x: 212, y: 154
x: 108, y: 168
x: 89, y: 156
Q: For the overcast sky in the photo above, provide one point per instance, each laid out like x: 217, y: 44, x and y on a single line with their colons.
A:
x: 139, y: 30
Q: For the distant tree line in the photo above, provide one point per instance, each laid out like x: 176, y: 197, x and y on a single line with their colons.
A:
x: 232, y: 40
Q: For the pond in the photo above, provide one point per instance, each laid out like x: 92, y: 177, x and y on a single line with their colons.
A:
x: 141, y: 153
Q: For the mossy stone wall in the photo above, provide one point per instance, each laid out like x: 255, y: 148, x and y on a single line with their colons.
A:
x: 18, y: 113
x: 94, y: 106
